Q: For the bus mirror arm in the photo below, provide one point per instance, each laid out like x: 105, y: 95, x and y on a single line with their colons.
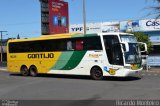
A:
x: 125, y: 46
x: 145, y: 46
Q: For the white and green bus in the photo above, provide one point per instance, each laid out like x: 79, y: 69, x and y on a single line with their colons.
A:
x: 95, y: 55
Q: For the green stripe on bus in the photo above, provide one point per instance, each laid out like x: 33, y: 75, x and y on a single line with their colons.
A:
x: 74, y: 60
x: 83, y: 35
x: 77, y: 35
x: 89, y: 35
x: 62, y: 61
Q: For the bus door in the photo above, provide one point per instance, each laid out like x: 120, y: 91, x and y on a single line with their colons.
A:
x: 113, y: 52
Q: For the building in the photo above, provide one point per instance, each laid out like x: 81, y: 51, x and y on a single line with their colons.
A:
x: 4, y: 50
x: 54, y: 17
x: 149, y: 26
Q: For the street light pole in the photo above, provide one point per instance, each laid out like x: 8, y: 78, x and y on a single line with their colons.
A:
x: 84, y: 16
x: 1, y: 45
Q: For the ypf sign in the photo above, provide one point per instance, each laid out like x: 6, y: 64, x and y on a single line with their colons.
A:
x: 76, y: 28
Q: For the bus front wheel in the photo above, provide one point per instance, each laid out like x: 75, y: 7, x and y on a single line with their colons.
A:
x: 96, y: 73
x: 24, y: 71
x: 33, y: 71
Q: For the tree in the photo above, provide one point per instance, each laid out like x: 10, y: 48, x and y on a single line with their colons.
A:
x: 142, y: 37
x: 155, y: 9
x: 18, y: 36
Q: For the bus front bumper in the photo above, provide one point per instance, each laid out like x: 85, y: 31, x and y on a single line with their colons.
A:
x: 133, y: 73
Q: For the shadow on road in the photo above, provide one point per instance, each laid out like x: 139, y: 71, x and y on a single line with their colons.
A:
x: 122, y: 78
x: 3, y: 64
x: 80, y: 77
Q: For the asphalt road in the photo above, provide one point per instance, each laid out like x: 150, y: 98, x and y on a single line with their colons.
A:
x: 56, y: 87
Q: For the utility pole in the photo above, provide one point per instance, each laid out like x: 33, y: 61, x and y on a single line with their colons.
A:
x: 1, y: 32
x: 84, y: 15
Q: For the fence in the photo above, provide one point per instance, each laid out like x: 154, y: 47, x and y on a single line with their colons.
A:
x: 153, y: 61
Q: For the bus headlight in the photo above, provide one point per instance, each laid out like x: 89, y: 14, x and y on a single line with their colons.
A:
x: 135, y: 66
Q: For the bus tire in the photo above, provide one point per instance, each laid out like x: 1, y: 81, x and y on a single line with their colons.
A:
x: 24, y: 70
x: 33, y: 71
x: 96, y: 73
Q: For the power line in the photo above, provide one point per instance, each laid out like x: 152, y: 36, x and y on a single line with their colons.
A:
x: 19, y: 24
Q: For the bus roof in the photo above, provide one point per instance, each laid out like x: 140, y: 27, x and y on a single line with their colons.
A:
x: 55, y: 36
x: 115, y: 33
x: 67, y: 35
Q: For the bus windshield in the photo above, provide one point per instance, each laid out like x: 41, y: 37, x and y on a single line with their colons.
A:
x: 133, y: 56
x: 128, y: 38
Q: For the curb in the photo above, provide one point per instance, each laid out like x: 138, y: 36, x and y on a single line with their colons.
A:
x: 3, y: 69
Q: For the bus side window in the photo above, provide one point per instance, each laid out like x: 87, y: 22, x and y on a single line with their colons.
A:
x: 62, y: 45
x: 79, y: 45
x: 69, y: 45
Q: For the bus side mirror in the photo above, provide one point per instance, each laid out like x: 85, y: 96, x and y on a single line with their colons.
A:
x: 125, y: 47
x: 143, y: 47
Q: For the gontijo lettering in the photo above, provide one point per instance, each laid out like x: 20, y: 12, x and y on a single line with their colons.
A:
x: 41, y: 55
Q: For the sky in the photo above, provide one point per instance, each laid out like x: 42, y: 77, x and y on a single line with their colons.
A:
x: 23, y: 17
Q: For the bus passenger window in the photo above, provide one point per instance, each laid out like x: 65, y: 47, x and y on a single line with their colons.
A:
x: 69, y: 45
x: 62, y: 45
x: 79, y: 45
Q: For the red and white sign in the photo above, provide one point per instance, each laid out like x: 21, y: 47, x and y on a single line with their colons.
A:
x: 58, y: 17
